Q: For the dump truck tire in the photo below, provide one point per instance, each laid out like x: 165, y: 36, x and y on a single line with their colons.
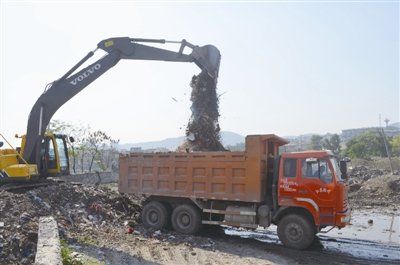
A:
x: 296, y: 231
x: 186, y: 219
x: 155, y: 215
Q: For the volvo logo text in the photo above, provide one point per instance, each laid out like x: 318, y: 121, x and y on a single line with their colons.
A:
x: 85, y: 74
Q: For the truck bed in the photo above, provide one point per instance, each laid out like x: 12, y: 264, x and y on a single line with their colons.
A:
x: 236, y: 176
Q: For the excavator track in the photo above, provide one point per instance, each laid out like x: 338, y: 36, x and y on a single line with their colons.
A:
x: 23, y: 186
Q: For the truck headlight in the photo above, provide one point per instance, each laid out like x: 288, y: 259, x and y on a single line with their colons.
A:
x: 345, y: 219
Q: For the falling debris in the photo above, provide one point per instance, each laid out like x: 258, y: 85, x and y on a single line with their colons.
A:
x: 203, y: 131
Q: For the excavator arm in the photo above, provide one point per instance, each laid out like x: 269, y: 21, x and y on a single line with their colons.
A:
x: 60, y: 91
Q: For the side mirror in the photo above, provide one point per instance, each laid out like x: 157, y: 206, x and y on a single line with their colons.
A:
x: 1, y: 144
x: 343, y: 168
x: 346, y: 159
x: 71, y: 139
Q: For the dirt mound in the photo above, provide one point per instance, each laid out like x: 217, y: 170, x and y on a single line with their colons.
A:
x: 203, y: 131
x: 78, y: 210
x: 373, y: 184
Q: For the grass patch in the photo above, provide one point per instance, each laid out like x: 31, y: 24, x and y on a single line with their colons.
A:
x: 87, y: 241
x: 68, y: 260
x: 93, y: 262
x: 66, y: 255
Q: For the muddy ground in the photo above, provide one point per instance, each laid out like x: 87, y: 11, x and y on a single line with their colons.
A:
x: 94, y: 222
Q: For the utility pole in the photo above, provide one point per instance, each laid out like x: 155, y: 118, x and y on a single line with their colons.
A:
x: 382, y: 133
x: 380, y: 125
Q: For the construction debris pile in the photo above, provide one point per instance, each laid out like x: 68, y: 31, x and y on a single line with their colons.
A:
x: 104, y: 222
x: 373, y: 184
x: 79, y: 211
x: 203, y: 131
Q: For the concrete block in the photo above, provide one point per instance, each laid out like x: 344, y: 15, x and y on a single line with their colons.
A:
x: 48, y: 246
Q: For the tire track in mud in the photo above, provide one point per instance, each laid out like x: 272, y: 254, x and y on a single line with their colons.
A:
x: 175, y: 257
x: 325, y: 250
x: 253, y: 247
x: 154, y: 252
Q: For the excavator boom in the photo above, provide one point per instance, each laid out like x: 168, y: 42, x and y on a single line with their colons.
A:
x: 60, y: 91
x: 206, y: 57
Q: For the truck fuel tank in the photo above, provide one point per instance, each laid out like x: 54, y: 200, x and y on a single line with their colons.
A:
x: 244, y: 215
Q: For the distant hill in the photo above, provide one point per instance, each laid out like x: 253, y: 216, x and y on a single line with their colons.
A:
x: 228, y: 138
x: 396, y: 124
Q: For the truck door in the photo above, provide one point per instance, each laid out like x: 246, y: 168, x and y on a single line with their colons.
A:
x: 288, y: 183
x: 316, y: 186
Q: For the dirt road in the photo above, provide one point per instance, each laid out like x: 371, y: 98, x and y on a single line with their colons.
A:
x: 238, y: 246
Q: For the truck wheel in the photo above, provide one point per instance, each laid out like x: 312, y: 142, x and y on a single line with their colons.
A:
x: 186, y: 219
x: 155, y: 215
x: 296, y: 231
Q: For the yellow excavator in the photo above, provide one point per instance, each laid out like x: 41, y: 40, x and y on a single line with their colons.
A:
x: 54, y: 159
x: 45, y: 154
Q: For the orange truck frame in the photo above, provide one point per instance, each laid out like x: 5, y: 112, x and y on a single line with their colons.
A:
x: 300, y: 192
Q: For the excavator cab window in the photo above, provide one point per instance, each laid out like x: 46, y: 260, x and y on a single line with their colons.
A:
x: 54, y: 156
x: 62, y: 153
x: 47, y: 155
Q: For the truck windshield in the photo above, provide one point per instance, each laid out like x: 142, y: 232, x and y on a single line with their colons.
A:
x: 317, y: 169
x: 336, y: 169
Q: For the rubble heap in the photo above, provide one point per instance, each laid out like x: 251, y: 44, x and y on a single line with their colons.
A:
x: 79, y: 211
x: 203, y: 131
x: 372, y: 184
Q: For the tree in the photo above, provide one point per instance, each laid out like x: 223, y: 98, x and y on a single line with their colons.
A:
x: 77, y: 149
x: 366, y: 145
x: 98, y: 144
x: 395, y: 145
x: 89, y: 147
x: 316, y: 142
x: 332, y: 143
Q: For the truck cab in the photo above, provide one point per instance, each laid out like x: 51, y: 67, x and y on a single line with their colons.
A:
x: 312, y: 194
x: 313, y: 180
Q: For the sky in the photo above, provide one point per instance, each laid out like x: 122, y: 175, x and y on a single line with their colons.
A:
x: 287, y: 68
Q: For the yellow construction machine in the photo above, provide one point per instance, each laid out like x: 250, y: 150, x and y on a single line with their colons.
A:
x: 45, y: 154
x: 54, y: 159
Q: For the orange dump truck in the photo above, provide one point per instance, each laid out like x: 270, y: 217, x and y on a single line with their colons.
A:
x: 300, y: 192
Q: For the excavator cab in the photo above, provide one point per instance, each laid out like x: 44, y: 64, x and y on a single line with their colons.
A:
x: 54, y: 155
